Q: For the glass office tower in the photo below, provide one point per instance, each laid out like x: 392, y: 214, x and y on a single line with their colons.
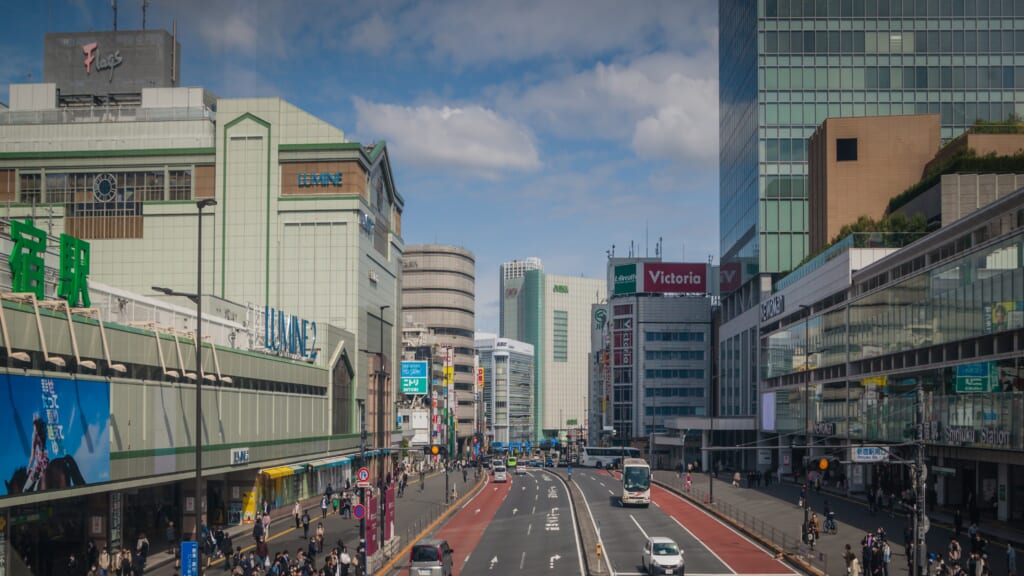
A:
x: 815, y: 59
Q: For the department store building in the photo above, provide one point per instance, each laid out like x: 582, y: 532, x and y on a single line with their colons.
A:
x: 301, y: 263
x: 849, y: 338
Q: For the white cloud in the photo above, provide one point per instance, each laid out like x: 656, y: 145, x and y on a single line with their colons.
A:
x: 470, y: 137
x: 666, y: 105
x: 373, y: 35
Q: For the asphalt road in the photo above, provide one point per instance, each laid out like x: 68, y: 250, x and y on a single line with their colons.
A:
x: 533, y: 532
x: 709, y: 546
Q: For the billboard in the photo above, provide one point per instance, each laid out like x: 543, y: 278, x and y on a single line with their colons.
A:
x: 1007, y: 315
x: 61, y: 433
x: 415, y: 377
x: 112, y: 62
x: 661, y: 278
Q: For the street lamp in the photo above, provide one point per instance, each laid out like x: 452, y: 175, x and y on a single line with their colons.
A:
x: 198, y: 299
x: 381, y: 434
x: 807, y: 397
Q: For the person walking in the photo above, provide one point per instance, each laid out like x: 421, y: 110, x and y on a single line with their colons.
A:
x: 320, y: 537
x: 305, y: 525
x: 855, y: 568
x: 297, y: 513
x: 266, y: 525
x: 323, y: 507
x: 803, y: 496
x: 104, y: 562
x: 954, y: 551
x: 1011, y: 560
x: 958, y: 523
x: 344, y: 561
x: 886, y: 557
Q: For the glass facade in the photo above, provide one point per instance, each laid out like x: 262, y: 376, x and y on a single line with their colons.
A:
x: 817, y: 59
x: 943, y: 317
x: 84, y: 187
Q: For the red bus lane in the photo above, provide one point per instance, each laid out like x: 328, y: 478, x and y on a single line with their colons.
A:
x: 738, y: 553
x: 466, y: 528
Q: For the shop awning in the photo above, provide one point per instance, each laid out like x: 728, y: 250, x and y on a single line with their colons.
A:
x: 330, y: 462
x: 278, y: 472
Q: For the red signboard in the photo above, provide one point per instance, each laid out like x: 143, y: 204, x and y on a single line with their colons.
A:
x: 389, y: 512
x: 729, y: 278
x: 372, y: 517
x: 675, y: 278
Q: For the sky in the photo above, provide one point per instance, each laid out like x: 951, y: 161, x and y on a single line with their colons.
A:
x: 548, y: 128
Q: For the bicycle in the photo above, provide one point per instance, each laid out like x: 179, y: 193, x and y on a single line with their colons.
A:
x: 830, y: 524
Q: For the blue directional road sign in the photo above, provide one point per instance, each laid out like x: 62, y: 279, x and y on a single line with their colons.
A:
x: 189, y: 558
x: 415, y: 377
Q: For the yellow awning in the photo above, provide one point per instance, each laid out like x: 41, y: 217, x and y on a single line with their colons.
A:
x: 279, y: 472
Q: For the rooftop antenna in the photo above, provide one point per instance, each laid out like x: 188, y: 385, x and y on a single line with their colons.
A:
x: 113, y: 4
x: 657, y: 248
x: 647, y: 239
x: 145, y: 3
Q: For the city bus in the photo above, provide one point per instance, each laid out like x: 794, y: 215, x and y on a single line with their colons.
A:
x: 598, y: 457
x: 636, y: 482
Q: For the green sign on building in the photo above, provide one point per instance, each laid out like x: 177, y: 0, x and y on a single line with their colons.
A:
x: 625, y: 279
x: 977, y: 377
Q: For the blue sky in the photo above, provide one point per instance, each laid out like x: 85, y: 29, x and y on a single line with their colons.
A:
x: 551, y: 128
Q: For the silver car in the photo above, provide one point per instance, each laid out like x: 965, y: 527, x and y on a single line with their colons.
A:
x: 430, y: 558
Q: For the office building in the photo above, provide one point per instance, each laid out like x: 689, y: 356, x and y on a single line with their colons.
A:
x: 438, y: 294
x: 507, y: 391
x: 786, y: 66
x: 552, y: 313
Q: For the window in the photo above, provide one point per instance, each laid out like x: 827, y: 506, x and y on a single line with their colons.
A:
x: 846, y: 149
x: 31, y: 188
x: 560, y: 349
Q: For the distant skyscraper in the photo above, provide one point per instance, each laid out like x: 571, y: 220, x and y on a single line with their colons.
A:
x: 787, y: 65
x: 552, y: 313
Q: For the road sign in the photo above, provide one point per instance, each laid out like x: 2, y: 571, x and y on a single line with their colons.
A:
x: 415, y: 377
x: 358, y: 511
x: 363, y: 477
x: 189, y: 558
x: 869, y: 454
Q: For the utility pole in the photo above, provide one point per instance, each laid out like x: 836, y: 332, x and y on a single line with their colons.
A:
x: 921, y: 523
x: 362, y: 491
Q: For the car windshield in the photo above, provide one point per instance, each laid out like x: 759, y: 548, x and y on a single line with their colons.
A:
x: 425, y: 554
x: 666, y: 549
x: 638, y: 478
x: 499, y: 469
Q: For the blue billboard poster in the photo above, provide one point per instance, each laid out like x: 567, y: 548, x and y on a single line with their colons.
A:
x: 61, y: 433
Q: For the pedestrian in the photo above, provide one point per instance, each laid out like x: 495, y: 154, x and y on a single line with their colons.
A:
x: 305, y: 525
x: 311, y: 552
x: 336, y: 501
x: 803, y: 496
x: 320, y: 537
x: 323, y: 507
x: 142, y: 548
x: 296, y: 513
x: 958, y: 523
x: 266, y: 525
x: 1011, y: 560
x: 855, y: 567
x: 345, y: 561
x: 266, y: 507
x: 465, y: 475
x: 736, y: 479
x: 257, y: 531
x: 954, y: 551
x: 886, y: 557
x: 104, y: 562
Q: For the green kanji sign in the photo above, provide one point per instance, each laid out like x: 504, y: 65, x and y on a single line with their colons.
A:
x: 28, y: 265
x: 74, y: 271
x: 28, y: 269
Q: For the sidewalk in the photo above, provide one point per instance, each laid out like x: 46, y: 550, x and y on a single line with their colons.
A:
x: 414, y: 511
x: 772, y: 514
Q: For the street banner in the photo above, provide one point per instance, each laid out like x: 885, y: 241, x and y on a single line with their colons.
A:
x: 389, y: 513
x: 372, y: 517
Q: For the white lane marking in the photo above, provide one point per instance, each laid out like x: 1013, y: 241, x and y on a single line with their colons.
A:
x: 534, y: 511
x: 522, y: 560
x: 612, y: 493
x: 639, y: 527
x: 706, y: 547
x: 529, y: 529
x: 602, y: 484
x: 607, y: 560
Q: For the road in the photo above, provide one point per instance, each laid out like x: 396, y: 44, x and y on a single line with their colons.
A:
x: 524, y: 526
x: 709, y: 546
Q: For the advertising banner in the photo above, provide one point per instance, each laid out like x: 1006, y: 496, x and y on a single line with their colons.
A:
x: 675, y: 278
x: 625, y: 279
x: 415, y: 377
x: 1007, y: 315
x: 372, y: 517
x: 61, y: 433
x: 389, y: 513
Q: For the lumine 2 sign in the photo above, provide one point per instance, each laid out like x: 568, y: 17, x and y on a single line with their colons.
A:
x: 289, y: 334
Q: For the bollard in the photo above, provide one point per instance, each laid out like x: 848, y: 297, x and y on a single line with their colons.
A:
x: 599, y: 557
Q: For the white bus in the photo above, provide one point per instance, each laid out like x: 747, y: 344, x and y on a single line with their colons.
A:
x: 598, y: 457
x: 636, y: 482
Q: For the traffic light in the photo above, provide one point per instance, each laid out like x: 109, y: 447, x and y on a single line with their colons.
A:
x: 435, y: 450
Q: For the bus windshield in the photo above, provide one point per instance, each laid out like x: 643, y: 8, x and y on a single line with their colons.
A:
x: 636, y: 478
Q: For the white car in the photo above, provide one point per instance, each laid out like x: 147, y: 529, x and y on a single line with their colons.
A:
x: 663, y: 556
x: 500, y: 474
